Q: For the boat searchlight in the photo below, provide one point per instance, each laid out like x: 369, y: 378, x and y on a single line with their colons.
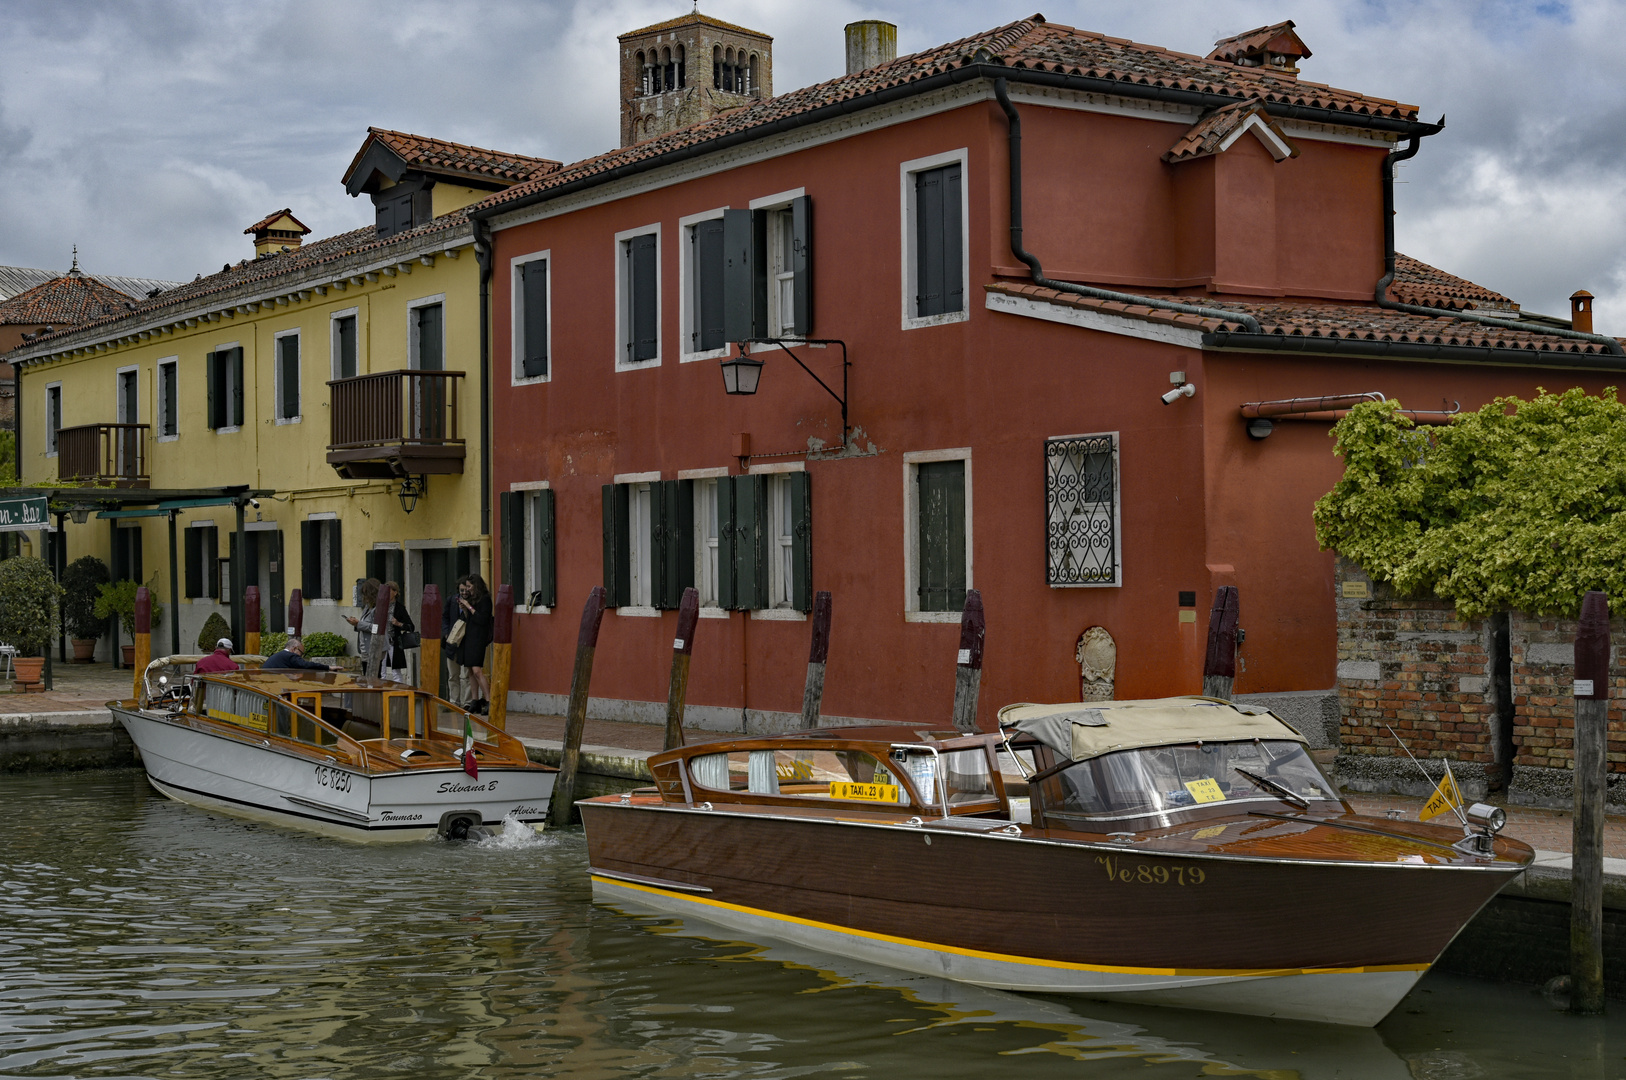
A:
x: 1489, y: 821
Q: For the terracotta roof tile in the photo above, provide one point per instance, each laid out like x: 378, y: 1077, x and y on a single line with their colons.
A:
x: 1031, y: 43
x: 1329, y: 320
x: 265, y: 222
x: 70, y: 300
x: 1416, y: 282
x: 424, y: 152
x: 1277, y: 37
x: 693, y: 17
x: 1206, y: 136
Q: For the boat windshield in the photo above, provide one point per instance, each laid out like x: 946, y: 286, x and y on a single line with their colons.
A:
x: 1161, y: 780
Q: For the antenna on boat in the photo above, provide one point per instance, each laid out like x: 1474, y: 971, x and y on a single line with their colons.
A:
x: 1455, y: 809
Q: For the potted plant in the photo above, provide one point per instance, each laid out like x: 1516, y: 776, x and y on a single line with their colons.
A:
x: 29, y: 601
x: 80, y: 588
x: 118, y: 598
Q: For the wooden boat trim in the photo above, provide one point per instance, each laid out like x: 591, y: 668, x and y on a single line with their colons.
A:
x: 650, y: 882
x: 1336, y: 824
x: 328, y: 808
x: 1218, y: 973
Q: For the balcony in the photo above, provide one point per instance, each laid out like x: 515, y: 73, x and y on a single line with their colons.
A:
x: 113, y: 454
x: 395, y: 424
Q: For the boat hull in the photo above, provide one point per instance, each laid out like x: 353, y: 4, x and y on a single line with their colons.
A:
x: 1303, y: 939
x: 262, y: 783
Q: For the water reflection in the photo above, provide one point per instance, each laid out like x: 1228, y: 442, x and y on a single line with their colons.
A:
x: 139, y: 937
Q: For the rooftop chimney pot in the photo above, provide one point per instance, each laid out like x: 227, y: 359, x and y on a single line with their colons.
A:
x: 869, y: 44
x: 1581, y: 311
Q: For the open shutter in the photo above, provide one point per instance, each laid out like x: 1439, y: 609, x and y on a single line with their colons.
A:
x: 801, y: 232
x: 659, y: 534
x: 740, y: 275
x: 211, y: 371
x: 643, y: 324
x: 335, y: 570
x: 545, y: 587
x: 372, y: 561
x: 511, y: 513
x: 750, y: 542
x: 727, y: 592
x: 211, y: 562
x: 672, y: 502
x: 236, y: 362
x: 310, y: 555
x: 288, y: 370
x: 617, y: 565
x: 929, y: 243
x: 194, y: 563
x: 347, y: 347
x: 708, y: 276
x: 431, y: 338
x: 953, y: 276
x: 535, y: 301
x: 801, y: 548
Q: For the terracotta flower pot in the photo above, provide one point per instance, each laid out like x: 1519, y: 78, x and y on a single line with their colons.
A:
x: 129, y: 654
x: 84, y: 650
x: 29, y: 669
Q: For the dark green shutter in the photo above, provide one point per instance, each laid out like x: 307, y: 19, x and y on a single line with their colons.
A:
x: 941, y: 553
x: 740, y: 275
x: 801, y: 548
x: 545, y: 587
x: 672, y: 553
x: 170, y: 374
x: 335, y: 574
x: 373, y: 564
x: 431, y: 340
x: 347, y: 347
x: 617, y: 566
x: 641, y: 281
x: 211, y: 370
x: 310, y: 557
x: 940, y: 282
x: 750, y: 542
x: 511, y: 513
x: 709, y: 288
x: 727, y: 594
x: 211, y: 561
x: 535, y: 301
x: 288, y: 367
x: 194, y: 563
x: 801, y: 232
x: 236, y: 361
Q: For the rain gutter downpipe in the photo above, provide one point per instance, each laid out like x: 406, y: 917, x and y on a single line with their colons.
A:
x: 1032, y: 260
x: 484, y: 256
x: 1390, y: 160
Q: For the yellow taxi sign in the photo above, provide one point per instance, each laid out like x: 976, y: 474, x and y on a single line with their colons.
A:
x: 841, y: 789
x: 1205, y: 790
x: 1446, y: 797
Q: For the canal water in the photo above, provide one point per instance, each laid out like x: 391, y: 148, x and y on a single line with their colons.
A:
x: 142, y: 938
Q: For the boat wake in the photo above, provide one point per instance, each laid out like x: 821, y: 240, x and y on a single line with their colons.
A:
x: 514, y: 835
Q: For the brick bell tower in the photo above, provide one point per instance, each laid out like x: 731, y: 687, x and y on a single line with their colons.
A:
x: 685, y: 70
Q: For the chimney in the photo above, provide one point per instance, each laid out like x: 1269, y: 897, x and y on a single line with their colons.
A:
x: 869, y: 44
x: 1581, y: 311
x: 276, y: 232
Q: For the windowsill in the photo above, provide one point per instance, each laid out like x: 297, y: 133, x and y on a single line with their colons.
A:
x: 226, y: 430
x: 714, y: 613
x: 50, y: 453
x: 165, y: 438
x: 932, y: 616
x: 781, y: 614
x: 936, y: 320
x: 530, y: 380
x: 710, y: 354
x: 539, y: 609
x: 788, y: 339
x: 638, y: 611
x: 638, y: 365
x: 281, y: 420
x: 317, y: 601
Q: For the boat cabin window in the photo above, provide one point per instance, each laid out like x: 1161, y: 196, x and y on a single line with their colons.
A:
x: 965, y: 776
x: 294, y: 725
x: 1160, y: 780
x: 842, y: 775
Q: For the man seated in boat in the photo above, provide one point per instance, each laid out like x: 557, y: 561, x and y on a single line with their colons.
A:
x: 292, y: 657
x: 217, y: 661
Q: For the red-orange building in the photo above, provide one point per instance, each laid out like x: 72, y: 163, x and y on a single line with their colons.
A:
x: 1069, y: 441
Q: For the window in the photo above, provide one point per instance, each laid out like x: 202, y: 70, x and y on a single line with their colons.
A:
x: 426, y: 345
x: 127, y: 552
x: 401, y: 208
x: 527, y: 546
x: 707, y: 523
x: 128, y: 407
x: 934, y: 253
x: 386, y: 562
x: 127, y: 445
x: 168, y: 398
x: 703, y: 335
x: 937, y: 559
x: 346, y: 357
x: 225, y: 371
x: 202, y: 560
x: 532, y: 333
x: 638, y: 285
x: 1082, y: 542
x: 768, y: 268
x: 786, y: 506
x: 287, y: 376
x: 640, y: 547
x: 321, y: 558
x: 53, y: 416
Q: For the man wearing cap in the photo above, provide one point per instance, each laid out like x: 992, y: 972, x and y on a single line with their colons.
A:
x: 217, y: 661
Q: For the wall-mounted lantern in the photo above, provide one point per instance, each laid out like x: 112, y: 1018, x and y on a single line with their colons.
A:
x: 412, y: 489
x: 741, y: 373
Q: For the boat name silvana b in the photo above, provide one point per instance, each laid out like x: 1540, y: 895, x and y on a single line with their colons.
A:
x: 1179, y: 851
x: 355, y: 758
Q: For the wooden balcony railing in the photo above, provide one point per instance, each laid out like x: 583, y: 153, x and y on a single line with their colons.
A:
x: 395, y: 423
x: 105, y: 453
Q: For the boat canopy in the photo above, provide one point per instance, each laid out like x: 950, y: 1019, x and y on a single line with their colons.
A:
x: 1084, y: 730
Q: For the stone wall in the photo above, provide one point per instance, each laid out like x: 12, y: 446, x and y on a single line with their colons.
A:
x: 1416, y: 667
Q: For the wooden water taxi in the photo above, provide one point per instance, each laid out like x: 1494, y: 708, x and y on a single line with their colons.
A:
x: 1179, y: 851
x: 330, y: 753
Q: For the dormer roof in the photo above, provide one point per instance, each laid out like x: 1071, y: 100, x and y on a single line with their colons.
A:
x: 1276, y: 47
x: 70, y: 300
x: 1220, y: 129
x: 282, y: 221
x: 389, y: 155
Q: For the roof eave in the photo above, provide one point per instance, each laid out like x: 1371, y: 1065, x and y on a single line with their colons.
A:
x: 1413, y: 350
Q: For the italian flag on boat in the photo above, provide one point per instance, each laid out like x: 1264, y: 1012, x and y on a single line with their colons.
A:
x: 469, y: 765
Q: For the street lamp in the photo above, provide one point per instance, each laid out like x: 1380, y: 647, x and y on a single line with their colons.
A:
x: 80, y: 513
x: 741, y: 373
x: 413, y: 488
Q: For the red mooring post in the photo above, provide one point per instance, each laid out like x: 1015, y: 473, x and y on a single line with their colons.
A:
x: 1586, y: 864
x: 502, y: 654
x: 379, y: 644
x: 296, y: 614
x: 143, y: 637
x: 564, y: 788
x: 818, y: 653
x: 429, y: 647
x: 1219, y: 666
x: 968, y: 662
x: 251, y: 621
x: 677, y: 692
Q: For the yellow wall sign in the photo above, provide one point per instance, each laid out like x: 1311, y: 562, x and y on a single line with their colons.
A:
x: 258, y: 722
x: 840, y: 789
x: 1205, y: 790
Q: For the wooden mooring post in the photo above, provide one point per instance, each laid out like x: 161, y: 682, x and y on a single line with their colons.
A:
x: 296, y: 613
x: 968, y: 662
x: 251, y: 620
x: 1219, y: 665
x: 677, y: 692
x: 818, y: 654
x: 1586, y: 865
x: 502, y: 655
x: 429, y: 613
x: 564, y: 788
x: 143, y: 637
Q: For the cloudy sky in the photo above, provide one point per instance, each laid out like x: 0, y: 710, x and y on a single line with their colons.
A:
x: 150, y: 133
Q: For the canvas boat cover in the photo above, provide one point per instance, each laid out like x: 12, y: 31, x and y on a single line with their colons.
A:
x: 1083, y: 730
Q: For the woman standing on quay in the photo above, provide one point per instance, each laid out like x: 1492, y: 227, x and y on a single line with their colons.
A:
x: 474, y: 608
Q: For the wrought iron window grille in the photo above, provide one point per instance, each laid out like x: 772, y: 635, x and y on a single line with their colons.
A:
x: 1081, y: 510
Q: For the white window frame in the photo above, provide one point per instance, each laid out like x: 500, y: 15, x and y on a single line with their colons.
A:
x: 686, y: 284
x: 516, y: 357
x: 411, y: 332
x: 276, y: 378
x: 333, y: 343
x: 160, y: 414
x: 623, y: 301
x: 527, y: 490
x: 214, y: 556
x: 227, y: 390
x: 53, y: 389
x: 635, y: 542
x: 906, y: 206
x: 777, y: 274
x: 912, y: 460
x: 707, y: 549
x: 781, y: 581
x: 1117, y: 514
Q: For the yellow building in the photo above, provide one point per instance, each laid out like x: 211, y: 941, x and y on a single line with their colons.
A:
x: 344, y: 374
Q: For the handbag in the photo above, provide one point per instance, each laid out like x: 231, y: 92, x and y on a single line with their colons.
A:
x: 459, y: 628
x: 409, y: 639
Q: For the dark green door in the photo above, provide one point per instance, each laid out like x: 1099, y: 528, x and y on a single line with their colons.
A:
x: 942, y: 535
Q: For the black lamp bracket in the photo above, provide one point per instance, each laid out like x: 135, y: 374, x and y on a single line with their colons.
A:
x: 841, y: 398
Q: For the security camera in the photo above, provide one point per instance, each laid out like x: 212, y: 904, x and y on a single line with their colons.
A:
x: 1186, y: 390
x: 255, y: 503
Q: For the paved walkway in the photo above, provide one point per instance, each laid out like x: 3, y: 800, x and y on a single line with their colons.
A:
x: 76, y: 688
